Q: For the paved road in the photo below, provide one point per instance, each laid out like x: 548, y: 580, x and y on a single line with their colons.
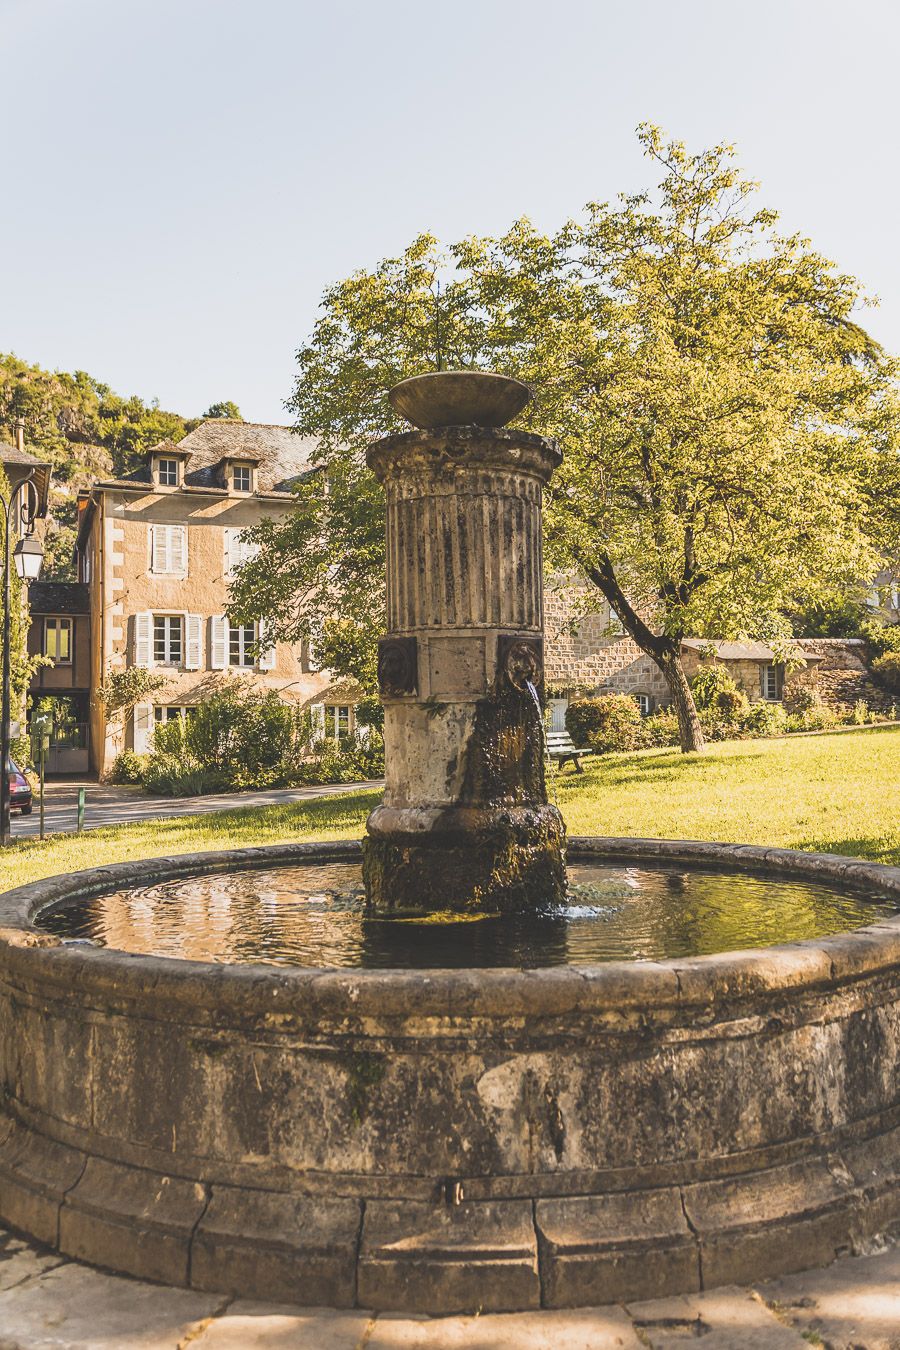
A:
x: 48, y: 1302
x: 106, y: 805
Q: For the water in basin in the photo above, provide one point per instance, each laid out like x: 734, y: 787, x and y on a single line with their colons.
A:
x: 314, y: 915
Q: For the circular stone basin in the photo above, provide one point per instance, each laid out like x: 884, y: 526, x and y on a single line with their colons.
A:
x: 453, y: 1139
x: 457, y: 398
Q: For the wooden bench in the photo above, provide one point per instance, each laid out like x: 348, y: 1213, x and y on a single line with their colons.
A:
x: 561, y: 747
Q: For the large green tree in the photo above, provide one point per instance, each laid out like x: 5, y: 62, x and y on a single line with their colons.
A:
x: 728, y: 426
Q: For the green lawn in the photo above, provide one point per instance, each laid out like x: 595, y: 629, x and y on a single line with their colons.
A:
x: 837, y: 793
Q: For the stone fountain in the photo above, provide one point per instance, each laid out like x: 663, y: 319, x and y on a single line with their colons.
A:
x: 465, y: 823
x: 452, y: 1139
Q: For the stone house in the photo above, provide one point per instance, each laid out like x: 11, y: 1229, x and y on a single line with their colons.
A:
x: 155, y: 551
x: 588, y: 652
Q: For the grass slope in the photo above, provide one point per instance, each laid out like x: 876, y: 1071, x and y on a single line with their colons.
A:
x: 833, y: 793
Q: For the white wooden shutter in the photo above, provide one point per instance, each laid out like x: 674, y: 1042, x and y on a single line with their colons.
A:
x: 317, y: 713
x: 218, y: 642
x: 178, y: 549
x: 143, y: 640
x: 266, y: 654
x: 159, y: 548
x: 232, y: 557
x: 193, y: 625
x: 142, y: 727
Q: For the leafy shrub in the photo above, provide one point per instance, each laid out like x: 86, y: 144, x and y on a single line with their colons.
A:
x: 242, y: 738
x: 801, y: 698
x: 610, y: 722
x: 882, y: 638
x: 887, y: 670
x: 717, y: 695
x: 661, y: 729
x: 709, y: 682
x: 860, y: 713
x: 764, y: 719
x: 128, y: 768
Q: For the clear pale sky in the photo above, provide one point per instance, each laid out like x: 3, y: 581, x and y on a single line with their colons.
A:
x: 182, y: 178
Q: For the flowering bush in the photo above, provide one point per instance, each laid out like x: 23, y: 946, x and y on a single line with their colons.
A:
x: 610, y: 722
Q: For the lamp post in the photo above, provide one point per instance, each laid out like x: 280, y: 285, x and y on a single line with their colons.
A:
x: 20, y: 510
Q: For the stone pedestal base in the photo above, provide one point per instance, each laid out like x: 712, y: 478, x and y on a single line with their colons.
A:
x: 491, y: 859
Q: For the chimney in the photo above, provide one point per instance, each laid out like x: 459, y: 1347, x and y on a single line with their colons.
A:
x: 20, y: 434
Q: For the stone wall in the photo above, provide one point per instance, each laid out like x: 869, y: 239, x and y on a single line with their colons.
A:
x: 843, y: 676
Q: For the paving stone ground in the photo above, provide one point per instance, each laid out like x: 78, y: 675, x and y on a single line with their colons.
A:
x: 50, y: 1303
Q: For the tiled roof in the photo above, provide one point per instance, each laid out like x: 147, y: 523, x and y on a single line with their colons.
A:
x: 280, y: 456
x: 11, y: 454
x: 58, y: 597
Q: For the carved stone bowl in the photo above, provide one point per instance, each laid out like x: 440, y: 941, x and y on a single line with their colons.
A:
x: 456, y: 398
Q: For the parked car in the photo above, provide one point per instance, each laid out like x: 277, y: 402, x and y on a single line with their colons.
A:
x: 19, y: 789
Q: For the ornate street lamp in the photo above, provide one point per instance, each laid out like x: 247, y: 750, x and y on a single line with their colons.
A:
x: 19, y: 513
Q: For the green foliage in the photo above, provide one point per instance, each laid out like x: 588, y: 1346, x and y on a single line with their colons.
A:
x: 881, y: 637
x: 128, y: 768
x: 226, y: 409
x: 713, y: 687
x: 887, y: 671
x: 84, y: 431
x: 122, y: 689
x: 660, y: 729
x: 610, y: 722
x: 764, y: 719
x: 241, y: 738
x: 831, y: 617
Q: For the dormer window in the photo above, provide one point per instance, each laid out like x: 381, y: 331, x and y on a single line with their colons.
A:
x: 167, y: 472
x: 242, y: 478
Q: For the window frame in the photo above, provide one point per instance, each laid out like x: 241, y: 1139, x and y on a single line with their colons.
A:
x: 776, y: 672
x: 247, y: 661
x: 168, y: 462
x: 242, y: 469
x: 334, y: 732
x: 644, y: 702
x: 62, y: 623
x: 168, y: 620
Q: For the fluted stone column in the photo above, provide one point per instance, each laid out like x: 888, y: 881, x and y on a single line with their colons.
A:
x: 465, y: 822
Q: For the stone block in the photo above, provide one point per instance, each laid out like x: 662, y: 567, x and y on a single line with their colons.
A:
x: 785, y: 1219
x: 268, y: 1245
x: 449, y: 1259
x: 132, y: 1220
x: 606, y: 1248
x: 35, y: 1174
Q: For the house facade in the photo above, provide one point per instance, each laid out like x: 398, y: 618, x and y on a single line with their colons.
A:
x: 155, y: 554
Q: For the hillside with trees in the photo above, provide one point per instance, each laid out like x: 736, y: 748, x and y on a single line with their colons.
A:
x: 85, y: 431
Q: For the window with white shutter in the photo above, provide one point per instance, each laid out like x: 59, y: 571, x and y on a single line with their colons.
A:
x: 142, y: 727
x: 218, y: 642
x: 317, y: 714
x: 143, y: 640
x: 193, y: 639
x: 168, y: 550
x: 238, y: 550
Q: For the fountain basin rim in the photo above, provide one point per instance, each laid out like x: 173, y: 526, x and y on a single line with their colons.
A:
x: 493, y: 992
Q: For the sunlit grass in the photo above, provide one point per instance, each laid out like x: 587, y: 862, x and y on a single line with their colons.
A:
x: 835, y: 793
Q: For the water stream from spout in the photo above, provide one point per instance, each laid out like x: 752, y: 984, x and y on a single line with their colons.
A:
x: 536, y: 699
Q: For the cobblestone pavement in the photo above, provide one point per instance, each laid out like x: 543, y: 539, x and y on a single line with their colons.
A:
x: 50, y: 1303
x: 109, y: 805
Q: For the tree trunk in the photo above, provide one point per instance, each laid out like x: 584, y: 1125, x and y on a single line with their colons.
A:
x: 664, y: 651
x: 689, y: 729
